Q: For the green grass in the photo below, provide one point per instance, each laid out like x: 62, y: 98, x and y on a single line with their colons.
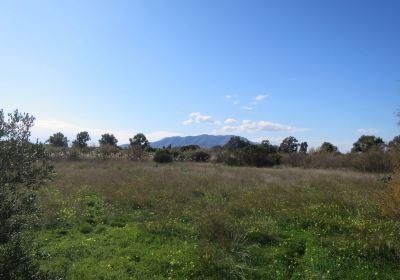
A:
x: 126, y: 220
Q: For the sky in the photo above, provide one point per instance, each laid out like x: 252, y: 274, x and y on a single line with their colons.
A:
x: 316, y: 70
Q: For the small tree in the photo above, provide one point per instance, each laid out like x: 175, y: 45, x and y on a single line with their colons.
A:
x: 233, y: 151
x: 395, y: 143
x: 24, y: 167
x: 108, y: 139
x: 367, y: 142
x: 81, y: 140
x: 303, y: 148
x: 327, y: 147
x: 162, y: 156
x: 58, y: 140
x: 236, y: 142
x: 138, y: 147
x: 271, y: 148
x: 200, y: 156
x: 289, y: 145
x: 140, y: 141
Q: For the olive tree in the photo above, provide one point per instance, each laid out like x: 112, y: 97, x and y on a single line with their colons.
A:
x: 58, y: 140
x: 24, y: 167
x: 289, y: 145
x: 366, y: 143
x: 81, y: 140
x: 138, y: 147
x: 327, y: 147
x: 108, y: 139
x: 140, y: 141
x: 303, y: 148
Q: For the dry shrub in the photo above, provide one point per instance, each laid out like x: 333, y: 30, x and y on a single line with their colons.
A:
x: 390, y: 198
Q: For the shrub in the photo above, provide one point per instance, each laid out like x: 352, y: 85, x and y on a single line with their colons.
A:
x: 257, y: 155
x: 390, y: 198
x: 73, y: 154
x: 108, y: 139
x: 137, y: 153
x: 139, y: 141
x: 86, y: 228
x: 200, y: 156
x: 107, y: 150
x: 24, y: 167
x: 162, y: 156
x: 81, y: 140
x: 58, y: 140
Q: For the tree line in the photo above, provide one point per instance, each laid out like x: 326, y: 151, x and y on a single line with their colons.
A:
x: 369, y: 152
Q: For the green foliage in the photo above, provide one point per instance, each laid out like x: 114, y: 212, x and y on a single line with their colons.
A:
x: 366, y: 143
x: 74, y: 154
x: 327, y: 147
x: 140, y: 141
x: 138, y: 147
x: 163, y: 156
x: 236, y: 143
x: 289, y: 145
x: 189, y: 148
x: 24, y: 167
x: 58, y: 140
x: 107, y: 150
x: 260, y: 155
x: 200, y: 156
x: 191, y: 221
x: 81, y: 140
x: 108, y: 139
x: 303, y: 147
x: 233, y: 151
x: 240, y: 152
x: 395, y: 143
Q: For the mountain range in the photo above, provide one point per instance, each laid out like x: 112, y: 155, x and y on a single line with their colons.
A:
x: 204, y: 141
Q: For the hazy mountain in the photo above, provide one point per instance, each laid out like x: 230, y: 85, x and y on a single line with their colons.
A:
x: 204, y: 141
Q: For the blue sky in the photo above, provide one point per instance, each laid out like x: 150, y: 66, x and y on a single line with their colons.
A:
x: 318, y: 70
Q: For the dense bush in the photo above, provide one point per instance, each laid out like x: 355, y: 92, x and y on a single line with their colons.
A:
x: 200, y: 156
x: 108, y: 139
x: 58, y: 140
x: 106, y: 150
x: 162, y: 156
x: 24, y: 167
x: 81, y: 140
x: 240, y: 152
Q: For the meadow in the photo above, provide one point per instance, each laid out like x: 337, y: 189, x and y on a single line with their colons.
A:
x: 120, y: 219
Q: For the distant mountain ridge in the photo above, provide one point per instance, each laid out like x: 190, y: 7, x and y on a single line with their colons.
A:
x: 203, y: 140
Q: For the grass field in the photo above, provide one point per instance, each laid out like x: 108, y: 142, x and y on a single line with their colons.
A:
x: 135, y: 220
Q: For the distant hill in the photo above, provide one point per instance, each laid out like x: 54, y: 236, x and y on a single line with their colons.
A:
x: 204, y: 141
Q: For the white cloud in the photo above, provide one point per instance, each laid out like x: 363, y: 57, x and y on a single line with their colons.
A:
x: 228, y: 96
x: 230, y: 121
x: 367, y: 130
x: 254, y: 126
x: 247, y: 108
x: 188, y: 122
x: 56, y: 125
x: 197, y: 117
x: 260, y: 97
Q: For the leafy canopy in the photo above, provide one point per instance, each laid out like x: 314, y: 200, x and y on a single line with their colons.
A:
x: 24, y: 166
x: 81, y: 140
x: 58, y: 140
x: 108, y: 139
